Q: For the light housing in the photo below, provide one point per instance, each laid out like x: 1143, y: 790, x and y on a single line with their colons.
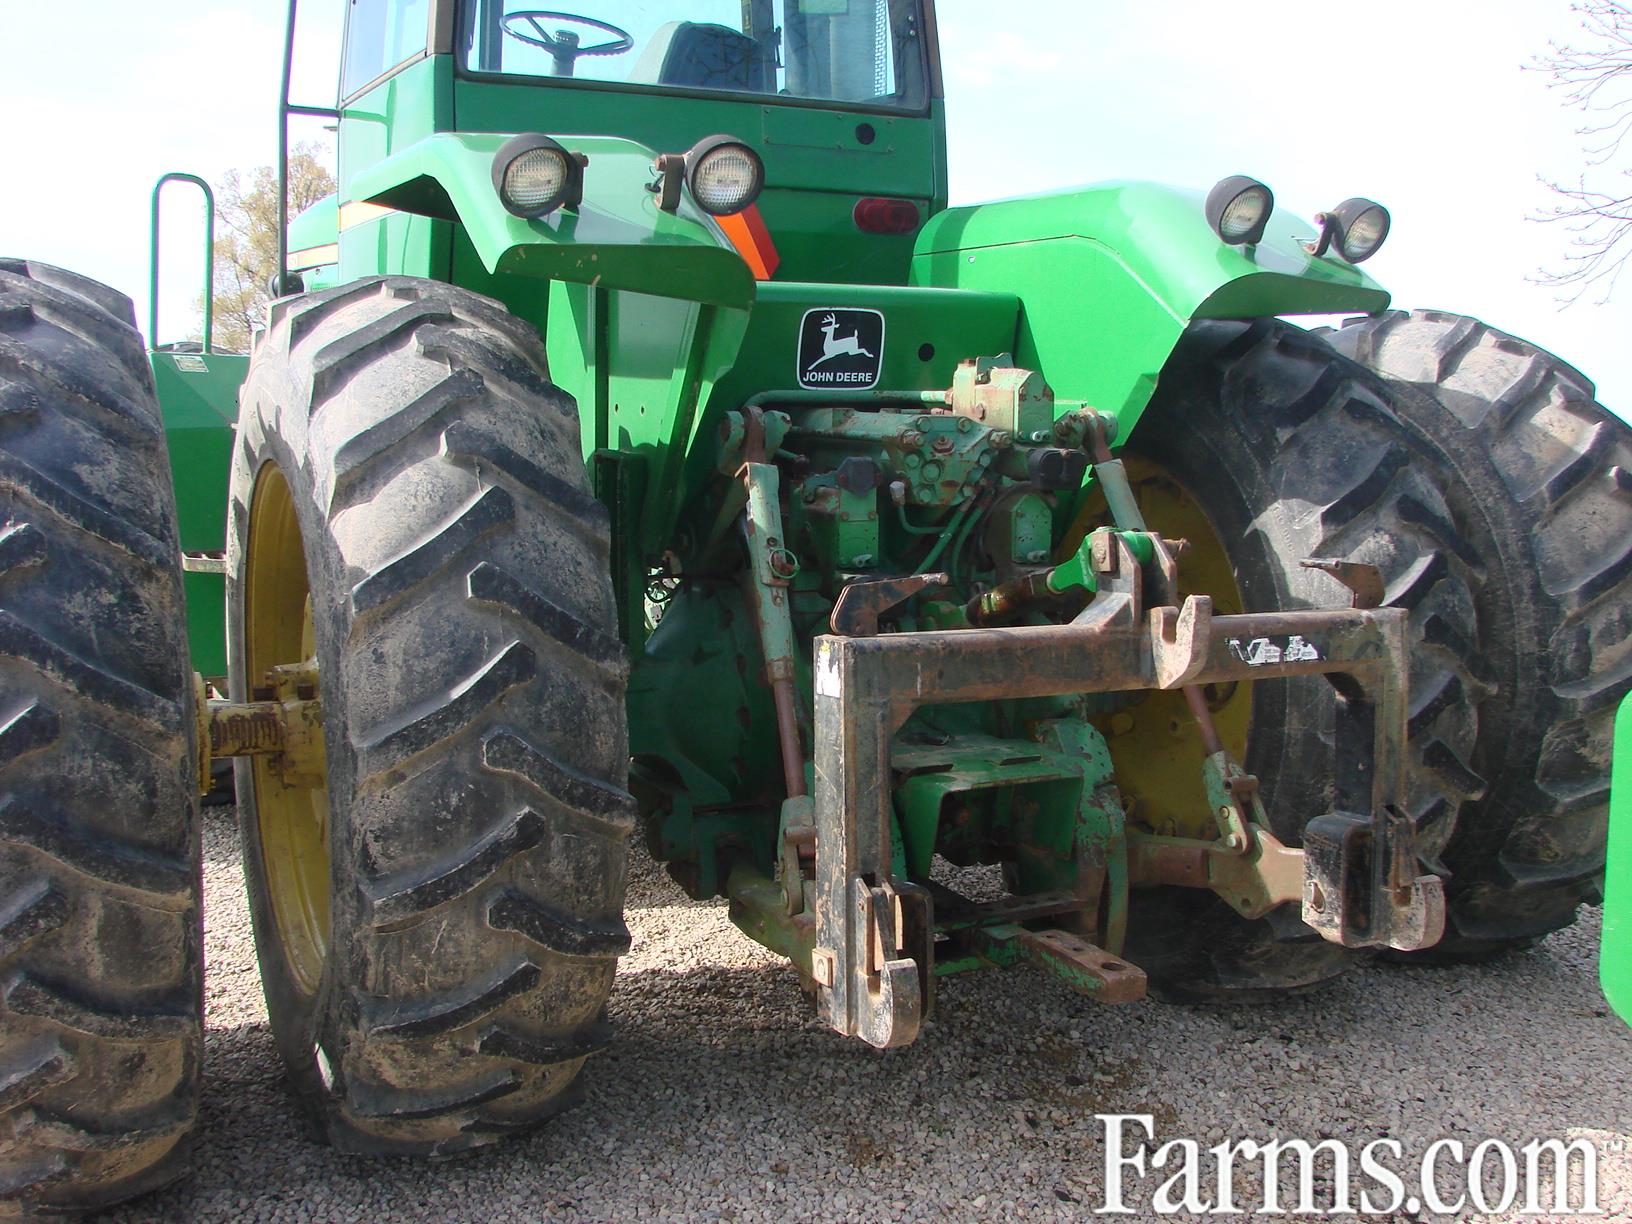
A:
x: 534, y: 175
x: 1238, y: 209
x: 1362, y: 227
x: 725, y: 175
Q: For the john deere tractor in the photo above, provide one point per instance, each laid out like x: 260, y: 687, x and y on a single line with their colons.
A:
x: 638, y: 443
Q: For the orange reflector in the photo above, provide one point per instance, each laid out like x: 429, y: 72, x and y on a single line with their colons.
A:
x: 748, y: 234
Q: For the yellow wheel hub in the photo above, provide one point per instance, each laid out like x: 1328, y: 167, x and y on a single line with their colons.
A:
x: 1155, y: 744
x: 291, y: 804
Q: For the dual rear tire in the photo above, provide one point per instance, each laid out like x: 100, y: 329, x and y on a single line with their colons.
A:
x: 438, y: 913
x: 1541, y: 473
x: 437, y: 892
x: 439, y: 917
x: 1491, y: 490
x: 101, y: 963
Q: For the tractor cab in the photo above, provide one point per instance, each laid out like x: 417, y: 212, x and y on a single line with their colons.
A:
x: 838, y: 98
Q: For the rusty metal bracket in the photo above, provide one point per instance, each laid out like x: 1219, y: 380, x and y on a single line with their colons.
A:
x: 873, y: 961
x: 1253, y: 882
x: 875, y: 980
x: 1365, y: 582
x: 797, y: 843
x: 1085, y: 967
x: 1358, y: 890
x: 1398, y: 905
x: 1268, y: 874
x: 283, y: 723
x: 860, y: 604
x: 1179, y: 640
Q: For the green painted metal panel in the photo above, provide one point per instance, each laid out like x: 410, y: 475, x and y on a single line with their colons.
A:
x: 1110, y: 275
x: 394, y: 115
x: 817, y: 240
x: 1615, y: 956
x: 817, y: 168
x: 804, y: 147
x: 971, y: 764
x: 816, y: 165
x: 198, y: 397
x: 653, y: 376
x: 619, y: 238
x: 317, y: 226
x: 927, y: 331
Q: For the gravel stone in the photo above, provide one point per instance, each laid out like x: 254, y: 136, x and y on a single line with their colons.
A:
x: 722, y: 1099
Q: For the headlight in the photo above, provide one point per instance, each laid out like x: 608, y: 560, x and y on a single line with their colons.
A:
x: 1238, y: 209
x: 534, y: 175
x: 725, y: 175
x: 1362, y: 225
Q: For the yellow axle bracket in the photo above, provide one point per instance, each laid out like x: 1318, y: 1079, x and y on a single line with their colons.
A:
x: 284, y: 724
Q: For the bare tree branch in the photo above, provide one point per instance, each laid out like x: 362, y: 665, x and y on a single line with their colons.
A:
x: 246, y: 250
x: 1594, y: 75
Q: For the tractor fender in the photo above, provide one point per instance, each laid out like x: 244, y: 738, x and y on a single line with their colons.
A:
x: 1110, y: 275
x: 618, y: 238
x: 314, y: 235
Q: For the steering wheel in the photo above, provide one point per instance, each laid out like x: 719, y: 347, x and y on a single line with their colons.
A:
x: 565, y: 46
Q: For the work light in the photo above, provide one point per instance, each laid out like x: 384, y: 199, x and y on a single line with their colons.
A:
x: 534, y: 175
x: 1362, y: 225
x: 725, y: 175
x: 1238, y: 209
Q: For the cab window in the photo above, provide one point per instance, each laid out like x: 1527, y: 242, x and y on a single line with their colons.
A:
x: 859, y: 52
x: 380, y: 34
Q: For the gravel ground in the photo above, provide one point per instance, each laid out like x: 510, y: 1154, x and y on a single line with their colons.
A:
x: 723, y: 1099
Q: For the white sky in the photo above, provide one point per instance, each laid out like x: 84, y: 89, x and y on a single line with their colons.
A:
x: 1421, y: 104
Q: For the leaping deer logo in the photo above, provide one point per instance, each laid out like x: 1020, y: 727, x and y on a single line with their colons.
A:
x: 833, y: 346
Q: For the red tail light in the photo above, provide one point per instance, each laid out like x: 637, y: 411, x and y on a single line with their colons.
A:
x: 879, y: 216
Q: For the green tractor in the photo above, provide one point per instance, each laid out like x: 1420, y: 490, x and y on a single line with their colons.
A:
x: 639, y: 442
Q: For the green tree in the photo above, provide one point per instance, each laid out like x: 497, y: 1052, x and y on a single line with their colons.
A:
x: 1594, y: 73
x: 246, y: 253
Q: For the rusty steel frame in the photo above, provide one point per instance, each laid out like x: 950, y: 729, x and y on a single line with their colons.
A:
x: 873, y: 959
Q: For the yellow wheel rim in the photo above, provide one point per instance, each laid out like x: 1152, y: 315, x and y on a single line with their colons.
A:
x: 293, y: 817
x: 1155, y: 744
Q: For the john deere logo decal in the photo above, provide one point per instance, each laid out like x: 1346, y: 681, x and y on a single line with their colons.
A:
x: 841, y: 347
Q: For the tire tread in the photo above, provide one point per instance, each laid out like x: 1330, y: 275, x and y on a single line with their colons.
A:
x: 98, y: 816
x: 1524, y: 858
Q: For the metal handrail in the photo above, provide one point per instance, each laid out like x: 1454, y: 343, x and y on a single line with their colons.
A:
x: 175, y: 176
x: 285, y: 109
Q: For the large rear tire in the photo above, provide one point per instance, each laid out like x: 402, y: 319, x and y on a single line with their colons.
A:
x: 100, y: 940
x: 437, y: 924
x: 1543, y: 474
x: 1294, y: 452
